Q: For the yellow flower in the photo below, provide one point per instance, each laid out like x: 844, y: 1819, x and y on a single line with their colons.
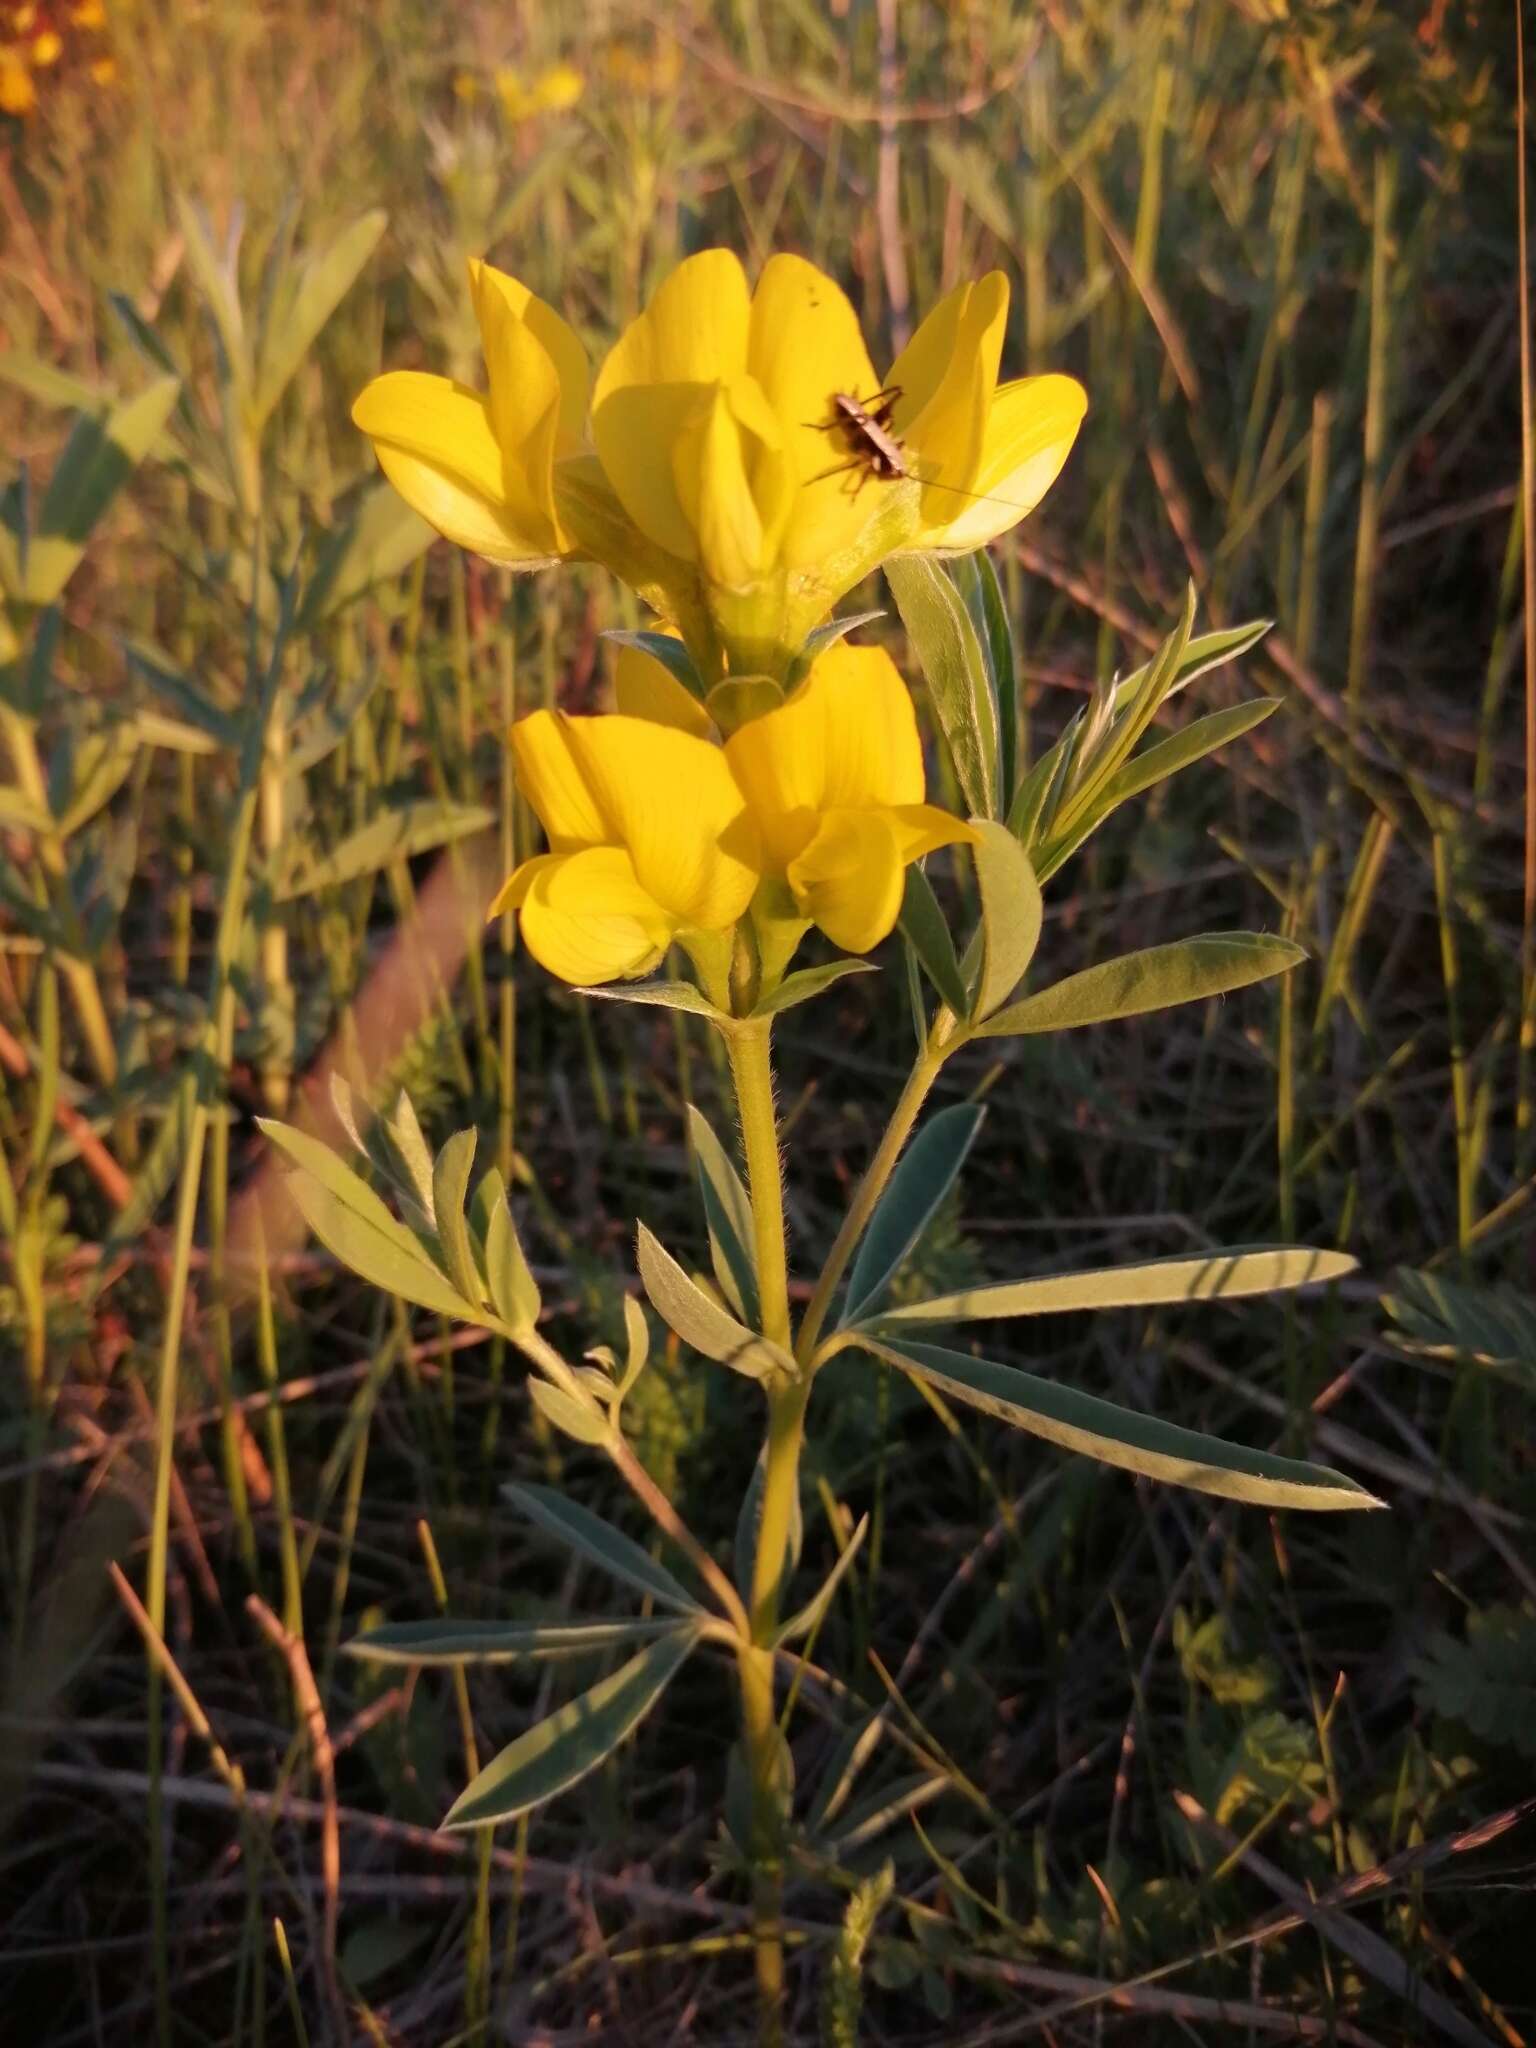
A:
x: 649, y: 838
x: 834, y: 782
x: 984, y: 454
x: 18, y: 95
x: 47, y: 48
x: 554, y: 90
x: 481, y: 469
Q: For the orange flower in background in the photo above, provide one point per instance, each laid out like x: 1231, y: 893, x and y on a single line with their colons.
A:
x: 51, y: 40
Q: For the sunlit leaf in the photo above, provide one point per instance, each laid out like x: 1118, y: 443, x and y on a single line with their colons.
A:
x: 700, y: 1321
x: 944, y: 641
x: 1011, y: 914
x: 444, y: 1641
x: 1120, y: 1436
x: 1184, y: 972
x: 574, y: 1740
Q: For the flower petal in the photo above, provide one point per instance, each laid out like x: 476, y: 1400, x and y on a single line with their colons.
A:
x: 947, y: 373
x: 675, y: 806
x: 495, y: 290
x: 586, y: 918
x: 694, y: 331
x: 549, y: 773
x: 847, y: 738
x: 435, y: 443
x: 804, y: 348
x: 849, y: 878
x: 732, y: 481
x: 1030, y: 431
x: 921, y: 828
x: 643, y: 687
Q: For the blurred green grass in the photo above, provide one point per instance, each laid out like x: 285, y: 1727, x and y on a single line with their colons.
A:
x: 1277, y: 243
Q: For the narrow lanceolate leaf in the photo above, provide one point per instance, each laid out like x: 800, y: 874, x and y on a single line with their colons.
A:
x: 823, y: 637
x: 1011, y: 914
x: 907, y: 1207
x: 444, y: 1641
x: 1216, y: 1276
x: 955, y: 670
x: 513, y: 1288
x: 394, y: 835
x: 976, y: 579
x: 1156, y: 979
x: 661, y: 995
x: 1202, y: 653
x: 672, y: 654
x: 1120, y: 1436
x: 700, y: 1321
x: 579, y: 1419
x: 728, y: 1212
x: 601, y: 1544
x: 381, y: 537
x: 810, y: 981
x: 923, y: 926
x: 450, y: 1188
x: 810, y: 1615
x: 561, y: 1750
x: 353, y: 1224
x: 320, y: 283
x: 102, y: 452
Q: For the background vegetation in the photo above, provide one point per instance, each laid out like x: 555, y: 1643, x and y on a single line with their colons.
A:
x: 1118, y: 1739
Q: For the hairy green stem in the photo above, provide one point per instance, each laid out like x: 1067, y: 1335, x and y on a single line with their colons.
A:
x: 752, y: 1073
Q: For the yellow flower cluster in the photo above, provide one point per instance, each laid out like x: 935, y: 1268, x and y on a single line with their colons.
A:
x: 738, y: 463
x: 808, y: 813
x: 37, y: 38
x: 704, y: 464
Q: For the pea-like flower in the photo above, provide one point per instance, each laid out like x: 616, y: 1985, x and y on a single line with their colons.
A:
x: 732, y: 473
x: 480, y: 467
x: 649, y: 839
x: 834, y: 782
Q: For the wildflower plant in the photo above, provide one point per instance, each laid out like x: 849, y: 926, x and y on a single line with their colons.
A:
x: 763, y: 773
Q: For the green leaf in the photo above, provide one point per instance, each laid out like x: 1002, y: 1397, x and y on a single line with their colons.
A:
x: 728, y: 1213
x: 944, y: 640
x: 450, y: 1188
x: 322, y: 280
x: 976, y: 578
x: 582, y: 1420
x: 382, y: 537
x: 514, y: 1290
x: 1186, y: 971
x: 661, y: 995
x: 448, y: 1642
x: 904, y: 1211
x: 102, y: 452
x: 810, y: 1615
x: 177, y: 689
x: 923, y: 926
x: 1011, y: 914
x: 809, y: 982
x: 601, y: 1544
x: 352, y: 1223
x: 1122, y: 1437
x: 749, y: 1523
x: 1200, y: 655
x: 1214, y: 1276
x: 700, y: 1321
x: 20, y: 814
x: 672, y: 654
x: 821, y: 638
x: 396, y: 834
x: 574, y: 1740
x: 637, y: 1332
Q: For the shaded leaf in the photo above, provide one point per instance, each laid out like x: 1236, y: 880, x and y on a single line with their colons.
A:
x: 672, y: 654
x: 444, y: 1641
x: 912, y: 1196
x: 810, y: 1615
x: 313, y: 291
x: 102, y: 452
x: 923, y: 926
x: 728, y: 1213
x: 601, y: 1544
x: 410, y: 828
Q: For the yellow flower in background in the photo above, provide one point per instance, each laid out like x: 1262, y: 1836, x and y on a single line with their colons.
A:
x: 479, y: 467
x: 18, y: 95
x: 649, y: 838
x: 834, y: 782
x: 555, y: 89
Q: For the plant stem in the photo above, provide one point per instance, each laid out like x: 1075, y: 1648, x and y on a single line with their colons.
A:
x: 925, y: 1071
x: 752, y: 1073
